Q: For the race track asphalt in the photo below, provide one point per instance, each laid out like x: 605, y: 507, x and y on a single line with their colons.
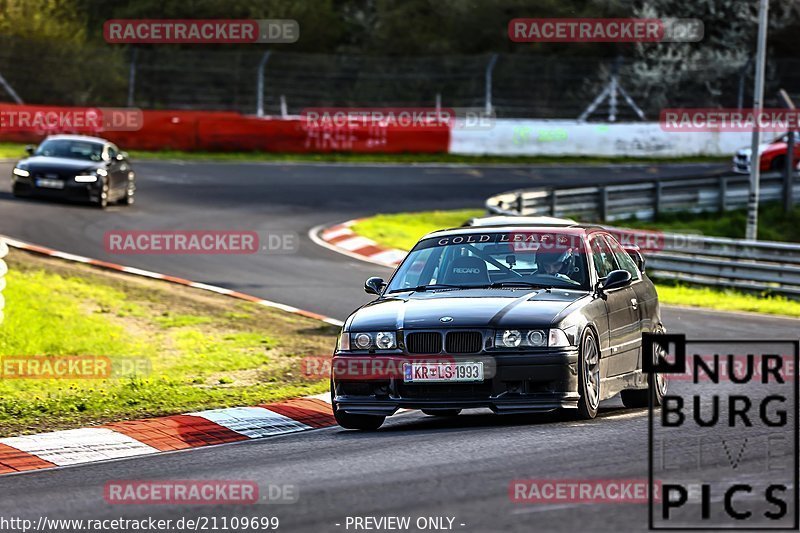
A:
x: 415, y: 465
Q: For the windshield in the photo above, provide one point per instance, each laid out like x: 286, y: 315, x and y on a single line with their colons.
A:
x: 535, y: 259
x: 71, y: 149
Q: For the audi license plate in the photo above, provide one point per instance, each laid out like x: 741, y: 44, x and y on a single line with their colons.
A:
x: 49, y: 184
x: 438, y: 372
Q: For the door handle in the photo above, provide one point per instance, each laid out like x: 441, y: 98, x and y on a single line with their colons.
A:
x: 634, y: 303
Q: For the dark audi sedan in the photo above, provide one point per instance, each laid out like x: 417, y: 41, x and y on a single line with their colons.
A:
x: 513, y: 318
x: 75, y: 167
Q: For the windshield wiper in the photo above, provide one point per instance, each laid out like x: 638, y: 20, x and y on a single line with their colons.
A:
x: 433, y: 286
x: 518, y: 284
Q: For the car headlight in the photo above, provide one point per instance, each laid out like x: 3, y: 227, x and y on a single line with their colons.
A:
x: 511, y: 338
x: 535, y: 338
x: 363, y: 341
x: 380, y: 340
x: 21, y: 172
x: 385, y: 340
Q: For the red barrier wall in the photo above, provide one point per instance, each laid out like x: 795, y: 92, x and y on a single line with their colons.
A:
x: 224, y: 131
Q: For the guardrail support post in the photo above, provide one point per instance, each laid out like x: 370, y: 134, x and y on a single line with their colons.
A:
x: 602, y: 203
x: 723, y: 194
x: 656, y: 199
x: 3, y: 271
x: 553, y: 202
x: 518, y: 203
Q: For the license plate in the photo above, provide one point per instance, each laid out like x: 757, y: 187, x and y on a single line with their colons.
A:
x: 49, y: 184
x: 442, y: 372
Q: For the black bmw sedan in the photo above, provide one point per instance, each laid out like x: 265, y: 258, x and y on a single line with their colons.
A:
x: 76, y: 167
x: 513, y: 318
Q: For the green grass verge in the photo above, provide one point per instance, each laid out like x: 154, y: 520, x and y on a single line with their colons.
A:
x: 404, y: 229
x: 194, y: 350
x: 773, y: 223
x: 17, y: 151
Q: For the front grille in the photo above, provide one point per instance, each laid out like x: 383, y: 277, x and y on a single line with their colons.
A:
x: 424, y: 342
x: 464, y: 342
x: 463, y: 391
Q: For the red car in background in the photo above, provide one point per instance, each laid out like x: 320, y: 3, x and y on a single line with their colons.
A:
x: 773, y: 155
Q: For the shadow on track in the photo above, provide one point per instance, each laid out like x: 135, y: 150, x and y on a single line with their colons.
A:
x: 484, y: 419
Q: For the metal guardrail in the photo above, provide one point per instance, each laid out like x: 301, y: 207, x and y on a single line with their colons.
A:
x: 3, y: 271
x: 713, y: 261
x: 643, y: 200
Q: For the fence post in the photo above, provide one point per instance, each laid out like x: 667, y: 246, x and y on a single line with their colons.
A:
x: 489, y: 69
x: 602, y: 203
x: 656, y: 199
x: 742, y: 76
x: 132, y: 76
x: 284, y: 107
x: 788, y: 178
x: 260, y: 84
x: 553, y: 202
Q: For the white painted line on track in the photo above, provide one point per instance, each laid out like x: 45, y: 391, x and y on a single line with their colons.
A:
x: 76, y: 446
x: 252, y: 422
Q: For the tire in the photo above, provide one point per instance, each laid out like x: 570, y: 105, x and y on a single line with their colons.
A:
x: 779, y: 163
x: 130, y: 196
x: 588, y: 376
x: 349, y: 421
x: 442, y: 412
x: 102, y: 200
x: 638, y: 398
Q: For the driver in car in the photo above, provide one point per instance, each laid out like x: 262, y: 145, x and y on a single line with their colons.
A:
x: 555, y: 264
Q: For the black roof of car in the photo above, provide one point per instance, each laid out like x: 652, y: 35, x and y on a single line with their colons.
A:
x: 577, y: 229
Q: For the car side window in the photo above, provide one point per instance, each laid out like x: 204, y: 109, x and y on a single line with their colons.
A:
x: 112, y: 153
x: 623, y: 259
x: 602, y: 256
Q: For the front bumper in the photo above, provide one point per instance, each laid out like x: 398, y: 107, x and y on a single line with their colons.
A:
x: 521, y: 383
x: 79, y: 192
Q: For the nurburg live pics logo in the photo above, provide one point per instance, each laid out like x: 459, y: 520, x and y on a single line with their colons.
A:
x: 724, y: 443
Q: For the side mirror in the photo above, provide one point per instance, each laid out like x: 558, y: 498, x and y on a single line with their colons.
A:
x: 30, y: 149
x: 122, y: 156
x: 374, y: 285
x: 638, y: 258
x: 616, y: 279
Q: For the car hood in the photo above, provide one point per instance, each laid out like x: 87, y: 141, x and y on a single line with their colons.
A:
x: 467, y: 309
x: 63, y: 164
x: 762, y: 148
